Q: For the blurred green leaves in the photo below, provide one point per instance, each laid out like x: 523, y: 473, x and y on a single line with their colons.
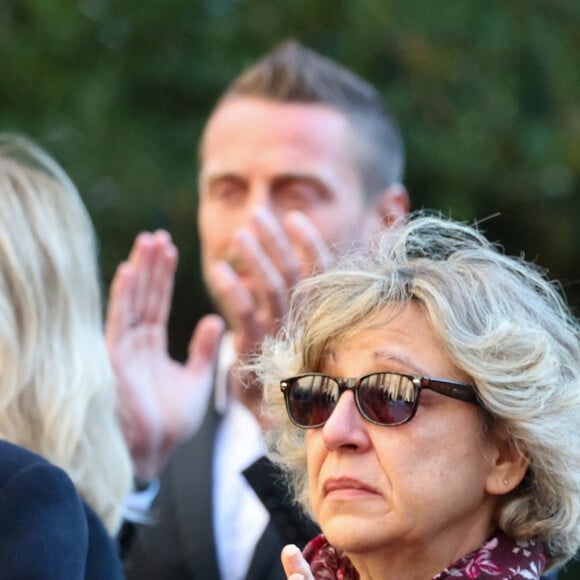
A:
x: 487, y: 95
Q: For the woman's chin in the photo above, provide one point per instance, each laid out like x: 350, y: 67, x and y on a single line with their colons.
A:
x: 354, y: 534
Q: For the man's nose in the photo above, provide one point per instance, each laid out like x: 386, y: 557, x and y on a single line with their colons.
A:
x: 261, y: 208
x: 260, y: 195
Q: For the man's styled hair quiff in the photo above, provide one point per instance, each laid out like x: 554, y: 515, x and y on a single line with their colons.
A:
x: 292, y: 73
x: 502, y: 323
x: 57, y: 388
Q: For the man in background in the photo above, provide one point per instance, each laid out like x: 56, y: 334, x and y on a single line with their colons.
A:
x: 299, y: 160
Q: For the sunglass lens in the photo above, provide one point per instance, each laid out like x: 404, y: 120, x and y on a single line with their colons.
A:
x: 311, y: 400
x: 387, y: 398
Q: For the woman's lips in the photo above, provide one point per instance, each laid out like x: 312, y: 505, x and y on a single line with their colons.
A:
x: 347, y: 486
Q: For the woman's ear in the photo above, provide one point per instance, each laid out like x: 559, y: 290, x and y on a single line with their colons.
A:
x: 509, y: 467
x: 393, y: 205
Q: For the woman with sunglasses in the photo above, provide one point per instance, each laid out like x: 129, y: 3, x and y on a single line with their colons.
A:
x: 426, y: 404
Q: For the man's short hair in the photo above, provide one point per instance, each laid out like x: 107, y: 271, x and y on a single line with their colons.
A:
x: 292, y: 73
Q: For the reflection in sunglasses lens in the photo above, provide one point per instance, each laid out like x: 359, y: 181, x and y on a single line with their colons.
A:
x: 387, y: 398
x: 384, y: 398
x: 312, y: 399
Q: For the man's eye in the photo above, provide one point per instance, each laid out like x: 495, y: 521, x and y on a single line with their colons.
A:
x: 298, y: 196
x: 228, y: 191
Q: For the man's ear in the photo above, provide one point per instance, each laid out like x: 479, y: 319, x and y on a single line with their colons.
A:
x: 393, y: 205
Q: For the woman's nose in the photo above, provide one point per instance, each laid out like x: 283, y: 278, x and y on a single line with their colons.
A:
x: 346, y: 428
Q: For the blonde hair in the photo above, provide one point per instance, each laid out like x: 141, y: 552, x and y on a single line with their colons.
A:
x: 501, y: 321
x: 57, y: 388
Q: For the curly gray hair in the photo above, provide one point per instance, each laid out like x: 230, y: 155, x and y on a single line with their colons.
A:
x: 501, y: 321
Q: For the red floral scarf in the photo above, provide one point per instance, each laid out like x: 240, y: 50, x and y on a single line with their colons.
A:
x: 501, y: 558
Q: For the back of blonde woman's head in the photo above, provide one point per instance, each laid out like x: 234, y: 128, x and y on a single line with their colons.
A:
x: 500, y: 320
x: 57, y: 388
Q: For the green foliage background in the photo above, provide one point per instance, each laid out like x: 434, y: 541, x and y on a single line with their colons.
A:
x: 487, y: 94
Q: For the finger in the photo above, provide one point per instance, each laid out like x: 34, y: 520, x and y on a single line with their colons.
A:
x: 120, y: 307
x: 274, y: 241
x: 201, y: 364
x: 141, y: 258
x: 204, y: 345
x: 159, y: 287
x: 314, y: 252
x: 234, y: 300
x: 294, y: 564
x: 269, y: 286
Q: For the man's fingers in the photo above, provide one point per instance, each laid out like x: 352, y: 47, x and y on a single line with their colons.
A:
x: 274, y: 241
x: 205, y: 342
x: 142, y: 287
x: 154, y: 259
x: 314, y: 253
x: 158, y: 287
x: 270, y: 290
x: 201, y: 366
x: 120, y: 307
x: 141, y: 257
x: 235, y: 301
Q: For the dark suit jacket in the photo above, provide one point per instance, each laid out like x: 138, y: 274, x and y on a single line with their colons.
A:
x: 179, y: 543
x: 46, y: 531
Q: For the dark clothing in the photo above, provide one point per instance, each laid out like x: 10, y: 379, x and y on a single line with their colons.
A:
x: 46, y: 531
x: 103, y: 560
x: 179, y: 543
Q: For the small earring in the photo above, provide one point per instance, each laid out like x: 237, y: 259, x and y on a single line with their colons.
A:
x: 506, y: 482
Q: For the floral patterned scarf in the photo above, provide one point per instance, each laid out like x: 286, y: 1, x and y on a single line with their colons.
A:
x: 501, y: 558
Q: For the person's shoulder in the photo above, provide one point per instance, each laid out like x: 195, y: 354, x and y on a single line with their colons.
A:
x: 103, y: 559
x: 14, y: 459
x: 21, y: 468
x: 28, y: 481
x: 43, y: 528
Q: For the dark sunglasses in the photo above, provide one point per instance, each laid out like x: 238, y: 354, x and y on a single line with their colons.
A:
x: 386, y: 399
